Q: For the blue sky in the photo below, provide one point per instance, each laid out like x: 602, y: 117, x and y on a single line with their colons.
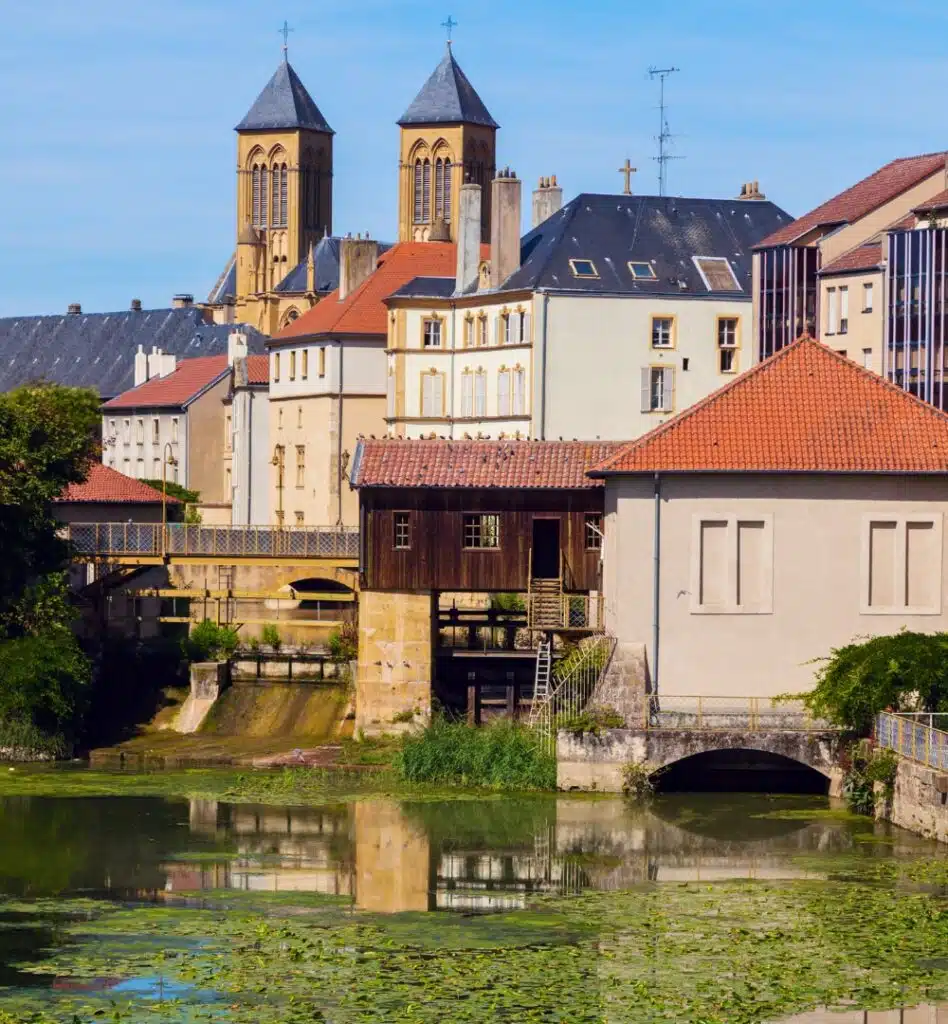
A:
x: 118, y: 114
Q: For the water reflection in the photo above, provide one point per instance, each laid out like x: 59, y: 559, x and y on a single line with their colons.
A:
x: 927, y: 1014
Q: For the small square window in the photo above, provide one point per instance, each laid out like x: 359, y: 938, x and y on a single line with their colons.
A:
x: 663, y: 332
x: 583, y: 268
x: 402, y: 538
x: 642, y: 271
x: 432, y: 334
x: 593, y: 531
x: 482, y: 530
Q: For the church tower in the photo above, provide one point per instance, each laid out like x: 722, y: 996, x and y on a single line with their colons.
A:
x: 284, y: 183
x: 447, y: 137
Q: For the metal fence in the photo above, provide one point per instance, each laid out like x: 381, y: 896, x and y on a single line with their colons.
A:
x: 564, y: 611
x: 915, y: 737
x: 126, y: 539
x: 725, y: 714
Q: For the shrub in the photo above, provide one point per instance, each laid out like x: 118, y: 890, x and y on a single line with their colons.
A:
x: 503, y: 755
x: 638, y: 779
x: 210, y: 642
x: 343, y: 642
x: 863, y: 766
x: 593, y: 720
x: 270, y: 635
x: 253, y: 644
x: 408, y: 715
x: 507, y: 602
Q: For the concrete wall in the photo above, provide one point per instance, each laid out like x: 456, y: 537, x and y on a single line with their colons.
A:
x: 207, y: 439
x: 396, y: 660
x: 920, y: 801
x: 862, y: 343
x: 818, y: 532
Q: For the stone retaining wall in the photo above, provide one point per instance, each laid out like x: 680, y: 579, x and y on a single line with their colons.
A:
x: 919, y: 802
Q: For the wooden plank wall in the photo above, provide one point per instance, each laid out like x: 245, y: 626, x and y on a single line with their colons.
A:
x: 437, y: 559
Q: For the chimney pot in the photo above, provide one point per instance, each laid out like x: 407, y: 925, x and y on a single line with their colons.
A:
x: 136, y: 305
x: 74, y: 309
x: 547, y: 200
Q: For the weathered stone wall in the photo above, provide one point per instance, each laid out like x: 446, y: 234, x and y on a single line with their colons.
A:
x: 919, y: 802
x: 396, y: 660
x: 624, y: 683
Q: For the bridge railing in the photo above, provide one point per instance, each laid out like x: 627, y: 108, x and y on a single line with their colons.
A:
x: 184, y: 539
x: 916, y: 737
x: 724, y: 714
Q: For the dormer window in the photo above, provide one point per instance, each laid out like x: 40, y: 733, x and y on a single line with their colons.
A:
x: 583, y: 268
x: 642, y: 271
x: 717, y: 274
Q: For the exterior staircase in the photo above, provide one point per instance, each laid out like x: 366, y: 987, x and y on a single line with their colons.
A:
x: 545, y: 604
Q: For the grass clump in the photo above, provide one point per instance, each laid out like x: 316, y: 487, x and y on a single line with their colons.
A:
x: 503, y: 755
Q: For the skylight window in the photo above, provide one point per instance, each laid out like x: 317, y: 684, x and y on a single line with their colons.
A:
x: 583, y: 268
x: 717, y: 274
x: 642, y: 271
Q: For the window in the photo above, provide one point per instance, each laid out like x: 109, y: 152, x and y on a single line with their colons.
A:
x: 112, y: 428
x: 127, y: 467
x: 443, y: 189
x: 658, y: 389
x: 843, y: 310
x: 583, y: 268
x: 174, y: 472
x: 503, y: 393
x: 830, y: 310
x: 593, y: 531
x: 732, y: 565
x: 228, y: 482
x: 727, y: 344
x: 304, y: 364
x: 642, y: 271
x: 867, y: 358
x: 402, y: 538
x: 519, y: 391
x: 468, y: 332
x: 140, y: 469
x: 717, y: 274
x: 507, y: 328
x: 299, y: 417
x: 276, y: 366
x: 156, y: 469
x: 901, y: 565
x: 482, y: 329
x: 139, y: 431
x: 322, y: 361
x: 174, y: 429
x: 432, y: 395
x: 480, y: 393
x: 298, y: 516
x: 300, y: 465
x: 482, y: 530
x: 127, y: 431
x: 467, y: 394
x: 867, y: 297
x: 259, y: 196
x: 293, y: 365
x: 431, y: 333
x: 279, y: 517
x: 422, y: 202
x: 663, y: 332
x: 524, y: 332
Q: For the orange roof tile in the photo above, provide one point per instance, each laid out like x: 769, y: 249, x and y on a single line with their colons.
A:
x: 938, y: 202
x: 363, y: 311
x: 807, y: 409
x: 863, y: 257
x: 864, y: 197
x: 106, y: 486
x: 523, y: 464
x: 190, y: 377
x: 258, y: 369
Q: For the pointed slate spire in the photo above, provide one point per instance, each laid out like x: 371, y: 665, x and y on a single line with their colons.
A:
x: 448, y: 98
x: 284, y: 104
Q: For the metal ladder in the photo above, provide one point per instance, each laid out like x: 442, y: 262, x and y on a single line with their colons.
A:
x: 541, y: 683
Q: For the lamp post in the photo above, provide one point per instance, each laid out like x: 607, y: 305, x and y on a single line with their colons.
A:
x: 167, y: 460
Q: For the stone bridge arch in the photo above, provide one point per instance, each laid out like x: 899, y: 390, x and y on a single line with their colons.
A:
x: 816, y: 750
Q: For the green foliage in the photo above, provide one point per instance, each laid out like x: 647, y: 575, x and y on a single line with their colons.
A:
x: 254, y: 644
x: 577, y: 653
x: 863, y: 766
x: 503, y: 755
x: 192, y: 515
x: 592, y: 720
x: 507, y: 602
x: 904, y: 672
x: 343, y: 642
x: 210, y: 642
x: 638, y: 779
x: 270, y: 635
x: 183, y: 494
x: 408, y: 715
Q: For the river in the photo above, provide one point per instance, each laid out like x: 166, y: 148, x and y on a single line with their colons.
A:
x: 542, y: 908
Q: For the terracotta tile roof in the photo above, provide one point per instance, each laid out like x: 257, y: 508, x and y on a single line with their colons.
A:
x: 189, y: 378
x: 107, y: 486
x: 938, y: 202
x: 864, y: 197
x: 863, y: 257
x: 364, y: 311
x: 502, y: 464
x: 258, y: 369
x: 806, y: 409
x: 903, y: 223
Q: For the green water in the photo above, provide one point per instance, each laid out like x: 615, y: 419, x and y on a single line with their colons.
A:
x: 385, y: 908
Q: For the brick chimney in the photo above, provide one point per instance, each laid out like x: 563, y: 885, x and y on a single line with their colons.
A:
x: 357, y: 259
x: 547, y: 200
x: 469, y: 237
x: 182, y: 301
x: 751, y: 190
x: 505, y: 226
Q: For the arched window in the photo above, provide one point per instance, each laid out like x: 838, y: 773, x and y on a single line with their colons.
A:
x: 275, y: 196
x: 422, y: 196
x: 260, y: 197
x: 439, y: 187
x: 446, y: 197
x: 281, y: 173
x: 419, y: 190
x: 255, y: 199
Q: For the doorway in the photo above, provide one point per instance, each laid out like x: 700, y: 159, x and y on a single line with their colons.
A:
x: 546, y: 549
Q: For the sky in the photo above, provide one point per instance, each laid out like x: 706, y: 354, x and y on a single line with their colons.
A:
x: 117, y: 115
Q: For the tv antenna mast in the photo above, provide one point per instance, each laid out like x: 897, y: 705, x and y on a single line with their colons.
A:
x: 664, y: 135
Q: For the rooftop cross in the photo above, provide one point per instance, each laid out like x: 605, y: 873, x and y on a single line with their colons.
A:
x: 285, y: 32
x: 627, y: 171
x: 450, y: 25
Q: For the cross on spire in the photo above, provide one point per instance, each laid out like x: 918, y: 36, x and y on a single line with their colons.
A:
x: 450, y: 25
x: 285, y: 32
x: 627, y: 170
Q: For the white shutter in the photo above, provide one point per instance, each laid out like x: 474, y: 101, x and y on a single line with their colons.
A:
x: 503, y: 393
x: 390, y: 394
x: 515, y: 336
x: 480, y: 394
x: 498, y: 331
x: 526, y: 329
x: 519, y: 399
x: 438, y: 394
x: 668, y: 389
x: 467, y: 395
x: 831, y: 311
x: 646, y: 389
x: 427, y: 391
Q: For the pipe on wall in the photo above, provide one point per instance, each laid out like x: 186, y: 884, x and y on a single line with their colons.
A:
x: 656, y: 581
x: 546, y: 313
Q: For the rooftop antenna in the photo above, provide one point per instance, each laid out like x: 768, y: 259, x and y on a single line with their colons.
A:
x: 664, y: 135
x: 285, y: 32
x: 450, y: 25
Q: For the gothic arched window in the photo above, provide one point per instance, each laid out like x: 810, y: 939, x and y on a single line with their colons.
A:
x: 256, y: 212
x: 443, y: 189
x: 283, y: 195
x: 422, y: 192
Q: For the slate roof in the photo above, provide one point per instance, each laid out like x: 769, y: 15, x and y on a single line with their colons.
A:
x: 560, y: 465
x: 97, y: 350
x: 665, y: 232
x: 448, y: 98
x: 806, y: 409
x: 106, y: 486
x: 284, y: 103
x: 226, y: 285
x: 426, y: 288
x: 189, y: 379
x: 863, y: 257
x: 863, y: 197
x: 326, y: 267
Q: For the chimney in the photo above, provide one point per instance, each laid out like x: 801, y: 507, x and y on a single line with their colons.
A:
x: 505, y: 227
x: 357, y: 259
x: 74, y: 309
x: 469, y: 237
x: 136, y: 306
x: 141, y: 367
x: 182, y: 301
x: 167, y: 363
x: 547, y: 200
x: 751, y: 190
x: 236, y: 346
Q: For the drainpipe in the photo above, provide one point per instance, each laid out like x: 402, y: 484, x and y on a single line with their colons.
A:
x: 454, y: 344
x: 339, y: 439
x: 546, y: 308
x: 249, y: 459
x: 656, y: 582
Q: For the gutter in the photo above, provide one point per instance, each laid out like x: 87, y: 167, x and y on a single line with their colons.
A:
x: 339, y: 440
x: 543, y: 335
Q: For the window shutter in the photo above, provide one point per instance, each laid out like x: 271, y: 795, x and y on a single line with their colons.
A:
x: 515, y: 337
x: 467, y: 394
x: 526, y: 329
x: 503, y: 393
x: 498, y: 330
x: 668, y: 389
x: 438, y: 394
x: 646, y: 389
x: 426, y: 192
x: 480, y: 407
x: 426, y: 395
x: 447, y: 190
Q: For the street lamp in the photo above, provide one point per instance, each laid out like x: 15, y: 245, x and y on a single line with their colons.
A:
x: 167, y: 460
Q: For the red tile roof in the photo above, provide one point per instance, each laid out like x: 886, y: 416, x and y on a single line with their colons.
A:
x: 938, y: 202
x: 864, y: 197
x: 363, y: 311
x: 189, y: 378
x: 863, y: 257
x: 806, y: 409
x: 106, y: 486
x: 258, y: 369
x: 488, y: 464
